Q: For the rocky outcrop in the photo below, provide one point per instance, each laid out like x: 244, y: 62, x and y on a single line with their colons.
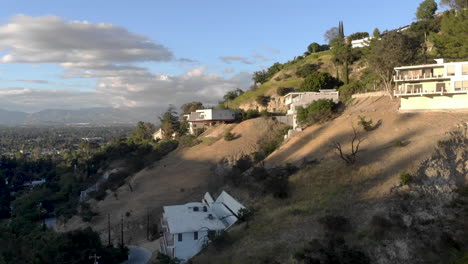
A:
x: 428, y: 216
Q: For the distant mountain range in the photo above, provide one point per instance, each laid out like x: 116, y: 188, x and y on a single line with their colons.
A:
x: 98, y: 115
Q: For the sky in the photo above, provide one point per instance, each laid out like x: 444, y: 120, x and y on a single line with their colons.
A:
x: 146, y: 53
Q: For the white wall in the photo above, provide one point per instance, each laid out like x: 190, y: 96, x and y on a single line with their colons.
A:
x: 189, y: 247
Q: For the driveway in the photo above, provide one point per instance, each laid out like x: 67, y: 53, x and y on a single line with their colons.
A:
x: 137, y: 255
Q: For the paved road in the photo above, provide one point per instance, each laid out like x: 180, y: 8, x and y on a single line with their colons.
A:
x: 137, y: 255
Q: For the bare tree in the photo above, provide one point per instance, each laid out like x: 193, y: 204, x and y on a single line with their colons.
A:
x: 350, y: 158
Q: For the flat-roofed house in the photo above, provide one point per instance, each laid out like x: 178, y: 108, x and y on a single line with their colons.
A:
x: 443, y: 85
x: 296, y: 99
x: 202, y: 118
x: 188, y: 228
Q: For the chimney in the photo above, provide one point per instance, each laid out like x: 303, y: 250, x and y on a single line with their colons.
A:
x: 439, y: 61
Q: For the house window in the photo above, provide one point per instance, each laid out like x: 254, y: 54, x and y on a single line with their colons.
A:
x: 195, y: 236
x: 465, y: 69
x: 450, y: 70
x: 195, y: 209
x: 458, y: 85
x: 179, y: 237
x: 440, y: 87
x: 465, y: 86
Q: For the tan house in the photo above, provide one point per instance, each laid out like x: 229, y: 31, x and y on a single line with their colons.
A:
x: 439, y: 86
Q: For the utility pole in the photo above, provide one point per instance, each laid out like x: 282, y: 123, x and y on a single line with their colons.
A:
x: 147, y: 224
x: 95, y: 257
x: 121, y: 233
x: 108, y: 231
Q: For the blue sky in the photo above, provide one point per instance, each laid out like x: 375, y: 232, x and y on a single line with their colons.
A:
x: 194, y: 35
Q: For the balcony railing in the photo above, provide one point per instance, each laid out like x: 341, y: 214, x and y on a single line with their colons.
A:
x: 168, y: 239
x: 422, y: 91
x: 400, y: 78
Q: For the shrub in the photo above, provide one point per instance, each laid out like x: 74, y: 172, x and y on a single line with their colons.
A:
x: 319, y: 80
x: 398, y: 143
x: 228, y: 136
x: 405, y: 178
x: 307, y: 69
x: 318, y: 111
x: 365, y: 124
x: 249, y: 114
x: 86, y: 213
x: 282, y: 91
x: 263, y: 100
x: 347, y: 90
x: 189, y: 141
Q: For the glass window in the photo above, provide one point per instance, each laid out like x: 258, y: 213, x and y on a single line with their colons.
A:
x: 465, y: 85
x: 179, y: 237
x: 450, y: 70
x: 458, y: 85
x: 465, y: 69
x: 195, y: 236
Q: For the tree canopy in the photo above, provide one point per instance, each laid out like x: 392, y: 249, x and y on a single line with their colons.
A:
x: 426, y: 9
x: 451, y: 42
x: 191, y: 107
x: 169, y: 121
x: 394, y: 49
x: 319, y: 80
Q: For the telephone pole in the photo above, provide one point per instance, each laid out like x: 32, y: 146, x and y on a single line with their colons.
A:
x: 108, y: 231
x: 147, y: 224
x: 95, y: 257
x: 121, y: 233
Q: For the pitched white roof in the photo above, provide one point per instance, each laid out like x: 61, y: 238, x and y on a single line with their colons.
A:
x: 183, y: 218
x: 227, y: 208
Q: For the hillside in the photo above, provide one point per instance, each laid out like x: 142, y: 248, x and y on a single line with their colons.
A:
x: 184, y: 175
x: 286, y: 77
x: 362, y: 193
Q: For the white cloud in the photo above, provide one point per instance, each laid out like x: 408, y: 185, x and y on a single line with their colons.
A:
x: 109, y: 54
x: 51, y: 39
x: 230, y: 59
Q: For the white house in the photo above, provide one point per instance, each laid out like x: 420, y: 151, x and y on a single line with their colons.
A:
x: 187, y: 228
x: 443, y: 85
x: 296, y: 99
x: 159, y: 134
x: 360, y: 43
x: 208, y: 117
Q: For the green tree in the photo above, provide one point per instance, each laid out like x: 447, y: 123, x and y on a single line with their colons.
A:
x: 313, y: 47
x: 231, y: 95
x: 393, y: 50
x: 376, y: 33
x: 451, y: 42
x: 317, y: 81
x: 426, y: 9
x: 191, y: 107
x: 260, y: 76
x: 358, y: 35
x: 169, y: 121
x: 143, y: 132
x: 343, y: 55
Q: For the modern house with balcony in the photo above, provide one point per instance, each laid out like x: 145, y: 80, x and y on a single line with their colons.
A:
x: 187, y: 229
x: 296, y: 99
x: 439, y: 86
x: 202, y: 118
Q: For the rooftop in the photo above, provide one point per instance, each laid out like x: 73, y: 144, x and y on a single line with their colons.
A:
x: 183, y: 218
